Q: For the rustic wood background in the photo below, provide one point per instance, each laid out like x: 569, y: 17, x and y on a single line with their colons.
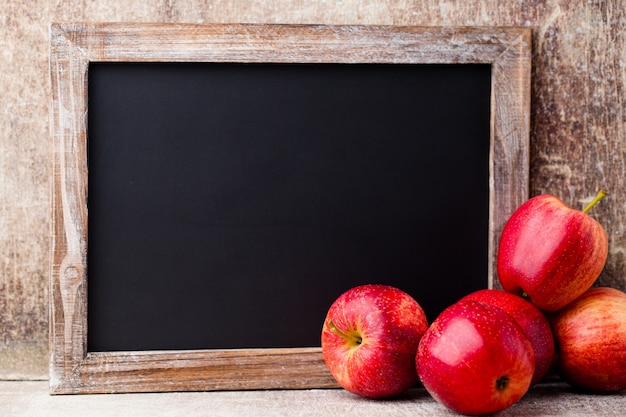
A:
x: 578, y: 132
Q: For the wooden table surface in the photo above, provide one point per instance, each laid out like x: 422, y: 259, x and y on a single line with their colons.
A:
x: 32, y: 399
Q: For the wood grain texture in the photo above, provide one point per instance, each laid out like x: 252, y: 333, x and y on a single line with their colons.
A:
x: 28, y: 399
x: 223, y: 370
x: 73, y: 46
x: 579, y: 129
x: 578, y: 139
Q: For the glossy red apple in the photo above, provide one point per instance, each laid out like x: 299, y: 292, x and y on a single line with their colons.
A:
x: 475, y: 359
x: 369, y: 339
x: 551, y: 252
x: 531, y: 320
x: 591, y: 339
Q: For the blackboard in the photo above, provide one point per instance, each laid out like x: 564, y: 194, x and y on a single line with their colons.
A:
x: 216, y: 187
x: 229, y: 204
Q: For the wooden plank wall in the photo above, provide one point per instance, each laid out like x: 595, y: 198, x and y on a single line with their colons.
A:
x: 578, y: 131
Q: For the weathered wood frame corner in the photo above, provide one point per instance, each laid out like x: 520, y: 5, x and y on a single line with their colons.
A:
x: 73, y: 369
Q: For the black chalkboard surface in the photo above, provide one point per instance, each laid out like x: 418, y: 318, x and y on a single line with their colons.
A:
x: 230, y: 204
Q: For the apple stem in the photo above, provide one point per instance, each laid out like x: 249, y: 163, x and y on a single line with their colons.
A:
x: 334, y: 329
x: 601, y: 194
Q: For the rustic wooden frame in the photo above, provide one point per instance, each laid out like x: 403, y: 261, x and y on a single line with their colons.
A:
x: 74, y: 45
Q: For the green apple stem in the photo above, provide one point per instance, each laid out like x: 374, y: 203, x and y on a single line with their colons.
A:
x: 601, y: 194
x: 351, y: 338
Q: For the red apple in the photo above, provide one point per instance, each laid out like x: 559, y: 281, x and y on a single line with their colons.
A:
x: 531, y: 320
x: 551, y: 252
x: 475, y: 359
x: 369, y: 339
x: 591, y: 339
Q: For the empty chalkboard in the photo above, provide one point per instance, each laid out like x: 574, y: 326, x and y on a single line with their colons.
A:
x: 216, y: 187
x: 229, y: 204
